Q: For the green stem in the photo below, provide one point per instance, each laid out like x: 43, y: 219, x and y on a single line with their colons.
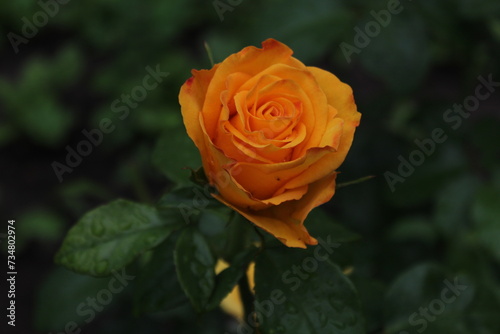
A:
x: 363, y: 179
x: 209, y: 53
x: 246, y: 297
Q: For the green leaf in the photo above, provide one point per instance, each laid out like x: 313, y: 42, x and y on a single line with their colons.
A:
x: 427, y: 292
x: 186, y: 204
x: 478, y: 9
x: 174, y: 154
x: 71, y: 304
x: 227, y: 232
x: 39, y: 224
x: 487, y: 154
x: 303, y: 292
x: 413, y: 228
x: 239, y: 235
x: 371, y: 292
x: 195, y: 267
x: 485, y: 210
x: 399, y: 54
x: 486, y: 215
x: 67, y: 67
x: 453, y: 203
x: 229, y: 277
x: 438, y: 170
x: 320, y: 223
x: 56, y: 124
x: 74, y: 195
x: 36, y: 95
x: 111, y: 236
x: 158, y: 287
x: 299, y: 24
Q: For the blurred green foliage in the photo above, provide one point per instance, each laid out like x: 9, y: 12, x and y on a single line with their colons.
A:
x: 441, y: 223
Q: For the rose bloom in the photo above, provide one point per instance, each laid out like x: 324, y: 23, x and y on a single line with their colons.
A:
x: 271, y: 133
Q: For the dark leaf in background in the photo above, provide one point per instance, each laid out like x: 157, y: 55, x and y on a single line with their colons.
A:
x: 59, y: 304
x: 311, y: 29
x: 158, y: 289
x: 174, y: 154
x: 399, y: 53
x: 41, y: 225
x: 486, y: 217
x: 453, y: 205
x: 413, y: 228
x: 195, y: 265
x: 426, y: 298
x: 189, y: 204
x: 300, y: 292
x: 226, y: 280
x: 320, y: 224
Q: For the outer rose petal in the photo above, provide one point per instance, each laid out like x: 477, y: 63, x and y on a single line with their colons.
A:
x: 217, y: 166
x: 339, y: 96
x: 286, y: 221
x: 268, y: 180
x: 191, y: 99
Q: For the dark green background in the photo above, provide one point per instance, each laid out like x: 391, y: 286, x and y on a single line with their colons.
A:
x: 443, y: 221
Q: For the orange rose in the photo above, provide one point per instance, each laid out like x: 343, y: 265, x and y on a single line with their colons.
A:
x: 271, y: 134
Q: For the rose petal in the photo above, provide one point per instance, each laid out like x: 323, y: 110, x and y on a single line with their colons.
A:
x: 191, y: 98
x: 290, y: 234
x: 334, y: 130
x: 265, y: 181
x: 286, y: 221
x: 251, y: 61
x: 233, y: 86
x: 316, y: 113
x: 319, y: 192
x: 339, y: 96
